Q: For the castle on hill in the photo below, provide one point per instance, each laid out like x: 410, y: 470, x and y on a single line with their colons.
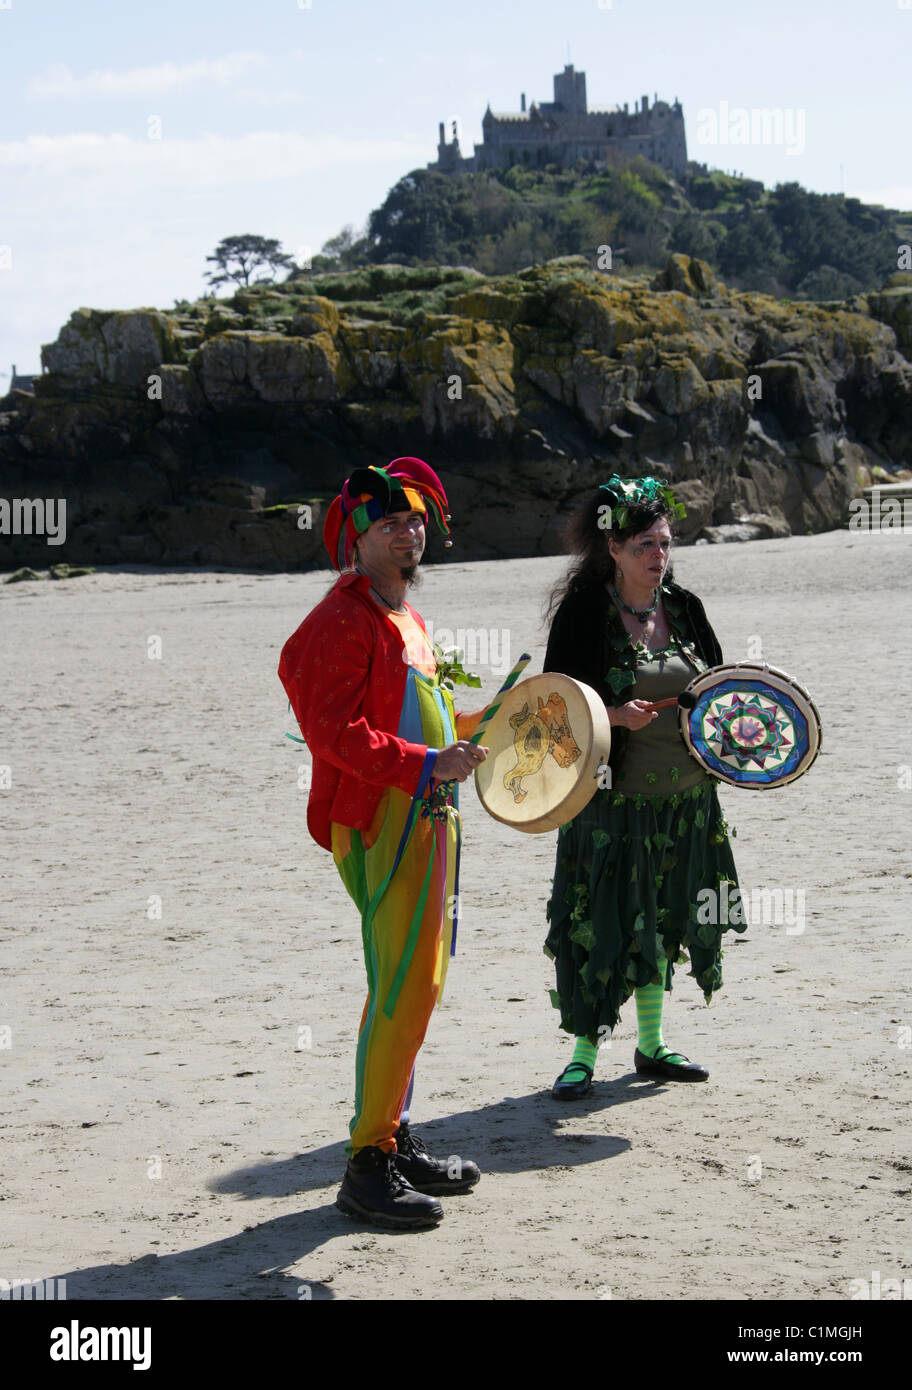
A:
x: 564, y: 130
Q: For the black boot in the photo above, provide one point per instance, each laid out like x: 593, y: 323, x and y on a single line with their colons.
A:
x: 374, y: 1190
x: 435, y: 1175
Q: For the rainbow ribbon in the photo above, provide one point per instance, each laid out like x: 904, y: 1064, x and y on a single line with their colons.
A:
x: 492, y: 709
x: 442, y: 792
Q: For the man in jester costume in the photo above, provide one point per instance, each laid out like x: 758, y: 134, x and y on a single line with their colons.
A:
x: 388, y: 749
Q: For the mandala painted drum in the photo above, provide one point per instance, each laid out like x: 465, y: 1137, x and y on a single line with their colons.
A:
x: 750, y: 725
x: 549, y: 743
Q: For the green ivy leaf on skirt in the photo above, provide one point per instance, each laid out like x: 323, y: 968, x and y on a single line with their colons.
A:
x: 584, y: 935
x: 658, y: 880
x: 647, y: 842
x: 619, y: 679
x: 633, y: 874
x: 700, y: 819
x: 675, y: 774
x: 555, y: 998
x: 639, y: 922
x: 651, y: 777
x: 600, y: 838
x: 682, y: 826
x: 604, y: 975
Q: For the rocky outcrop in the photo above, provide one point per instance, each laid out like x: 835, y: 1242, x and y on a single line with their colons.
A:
x: 215, y: 434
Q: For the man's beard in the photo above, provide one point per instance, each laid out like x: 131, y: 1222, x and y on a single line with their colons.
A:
x: 410, y: 574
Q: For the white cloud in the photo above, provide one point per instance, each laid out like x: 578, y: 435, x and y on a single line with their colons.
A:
x: 59, y: 82
x: 206, y: 160
x: 264, y: 96
x: 896, y: 197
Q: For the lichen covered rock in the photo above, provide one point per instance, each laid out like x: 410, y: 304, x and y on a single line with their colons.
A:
x: 192, y: 437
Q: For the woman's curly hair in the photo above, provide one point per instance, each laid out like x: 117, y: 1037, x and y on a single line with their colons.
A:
x: 586, y: 537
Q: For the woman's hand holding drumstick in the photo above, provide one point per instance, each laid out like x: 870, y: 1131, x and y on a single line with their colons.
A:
x: 636, y: 714
x: 686, y: 700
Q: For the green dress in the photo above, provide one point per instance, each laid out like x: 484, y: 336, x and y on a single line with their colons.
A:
x: 631, y: 865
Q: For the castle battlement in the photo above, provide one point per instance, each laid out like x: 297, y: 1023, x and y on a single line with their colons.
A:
x: 566, y: 129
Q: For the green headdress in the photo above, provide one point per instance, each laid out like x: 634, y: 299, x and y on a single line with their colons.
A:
x: 630, y: 492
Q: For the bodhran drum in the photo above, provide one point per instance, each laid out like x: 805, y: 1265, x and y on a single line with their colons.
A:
x: 750, y: 725
x: 547, y: 743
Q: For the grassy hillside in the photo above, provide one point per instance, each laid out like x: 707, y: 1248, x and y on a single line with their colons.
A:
x: 785, y: 241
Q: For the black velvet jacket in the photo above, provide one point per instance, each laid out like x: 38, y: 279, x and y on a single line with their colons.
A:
x: 589, y: 642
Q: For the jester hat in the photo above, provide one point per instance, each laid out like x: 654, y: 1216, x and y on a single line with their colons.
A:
x: 406, y: 484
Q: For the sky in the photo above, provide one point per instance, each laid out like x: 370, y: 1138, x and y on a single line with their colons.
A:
x: 135, y: 136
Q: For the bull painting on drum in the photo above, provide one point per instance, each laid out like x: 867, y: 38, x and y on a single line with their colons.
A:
x: 547, y: 743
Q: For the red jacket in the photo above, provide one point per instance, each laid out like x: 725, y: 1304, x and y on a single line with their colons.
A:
x: 344, y: 671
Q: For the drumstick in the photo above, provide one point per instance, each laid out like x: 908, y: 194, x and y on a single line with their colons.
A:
x: 686, y: 700
x: 492, y: 709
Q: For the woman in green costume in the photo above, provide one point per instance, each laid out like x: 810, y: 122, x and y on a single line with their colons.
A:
x: 629, y: 898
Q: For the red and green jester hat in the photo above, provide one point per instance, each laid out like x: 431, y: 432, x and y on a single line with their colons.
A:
x: 405, y: 485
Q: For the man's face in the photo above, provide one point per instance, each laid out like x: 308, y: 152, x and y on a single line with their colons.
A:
x: 394, y: 544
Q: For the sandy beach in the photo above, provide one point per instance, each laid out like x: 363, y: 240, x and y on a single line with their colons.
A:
x: 181, y: 978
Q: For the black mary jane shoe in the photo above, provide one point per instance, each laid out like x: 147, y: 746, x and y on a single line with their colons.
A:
x: 671, y: 1071
x: 572, y: 1090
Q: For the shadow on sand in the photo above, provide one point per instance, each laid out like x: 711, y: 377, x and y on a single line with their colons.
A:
x: 515, y: 1135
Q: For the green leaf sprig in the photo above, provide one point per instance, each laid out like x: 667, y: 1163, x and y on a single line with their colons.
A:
x: 450, y: 670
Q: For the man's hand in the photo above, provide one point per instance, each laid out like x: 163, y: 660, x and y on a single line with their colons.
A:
x: 458, y: 761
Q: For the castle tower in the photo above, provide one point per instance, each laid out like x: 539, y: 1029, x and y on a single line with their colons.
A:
x: 449, y: 155
x: 570, y: 90
x: 564, y: 130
